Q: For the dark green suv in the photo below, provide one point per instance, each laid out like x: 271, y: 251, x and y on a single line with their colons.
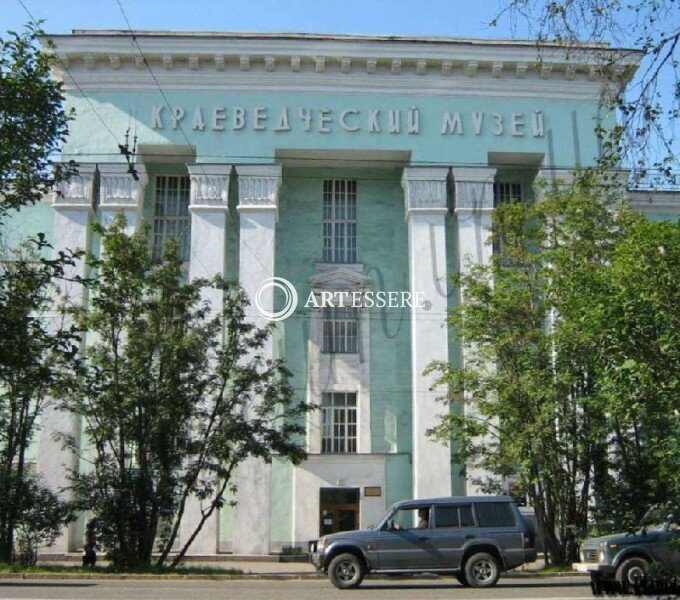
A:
x: 626, y: 556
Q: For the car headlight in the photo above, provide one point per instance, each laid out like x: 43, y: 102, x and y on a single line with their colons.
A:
x: 602, y: 555
x: 321, y: 544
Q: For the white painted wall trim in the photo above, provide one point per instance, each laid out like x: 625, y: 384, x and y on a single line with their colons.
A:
x: 339, y: 372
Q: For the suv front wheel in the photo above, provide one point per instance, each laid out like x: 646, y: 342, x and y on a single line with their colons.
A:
x: 346, y: 571
x: 481, y: 570
x: 631, y: 569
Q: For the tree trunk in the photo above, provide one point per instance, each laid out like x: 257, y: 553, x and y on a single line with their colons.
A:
x: 7, y: 546
x: 204, y: 517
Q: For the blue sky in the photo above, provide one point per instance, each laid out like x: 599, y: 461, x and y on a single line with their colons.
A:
x: 460, y: 18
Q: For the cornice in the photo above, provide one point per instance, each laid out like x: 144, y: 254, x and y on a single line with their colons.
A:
x: 339, y: 278
x: 352, y: 46
x: 107, y: 60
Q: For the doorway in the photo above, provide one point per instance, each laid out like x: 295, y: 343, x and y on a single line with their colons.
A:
x: 339, y: 510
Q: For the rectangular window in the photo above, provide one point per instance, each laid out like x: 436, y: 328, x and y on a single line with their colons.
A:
x: 506, y: 192
x: 340, y: 327
x: 339, y: 422
x: 454, y: 516
x: 171, y: 220
x: 494, y: 514
x: 466, y: 517
x: 340, y: 220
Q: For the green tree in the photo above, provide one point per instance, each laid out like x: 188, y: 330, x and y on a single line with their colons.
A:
x: 524, y: 403
x: 173, y: 396
x: 570, y: 381
x: 637, y: 328
x: 648, y: 28
x: 37, y: 350
x: 33, y: 122
x: 37, y: 357
x: 39, y: 521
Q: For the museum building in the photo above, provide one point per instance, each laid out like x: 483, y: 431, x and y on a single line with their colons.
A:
x: 341, y: 164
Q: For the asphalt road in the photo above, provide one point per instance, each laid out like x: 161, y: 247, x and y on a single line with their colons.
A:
x: 558, y: 588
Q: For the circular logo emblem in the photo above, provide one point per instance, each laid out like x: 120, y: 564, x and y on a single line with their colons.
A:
x: 290, y: 295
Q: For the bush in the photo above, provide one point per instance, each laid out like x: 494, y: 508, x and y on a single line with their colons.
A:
x: 40, y: 521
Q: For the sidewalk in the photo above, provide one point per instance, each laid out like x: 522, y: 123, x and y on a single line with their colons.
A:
x: 260, y: 567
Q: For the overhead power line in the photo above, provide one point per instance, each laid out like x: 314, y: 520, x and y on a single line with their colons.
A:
x: 62, y: 64
x: 148, y: 67
x: 167, y: 102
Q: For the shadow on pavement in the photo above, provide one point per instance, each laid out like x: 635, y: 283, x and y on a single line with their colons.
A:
x: 542, y: 584
x: 43, y: 583
x: 433, y: 586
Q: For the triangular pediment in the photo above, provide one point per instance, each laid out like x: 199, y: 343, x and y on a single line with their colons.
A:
x: 339, y: 278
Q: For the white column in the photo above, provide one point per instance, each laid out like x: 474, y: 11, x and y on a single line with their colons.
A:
x: 209, y: 206
x: 72, y: 219
x: 258, y: 192
x: 426, y: 210
x: 119, y: 191
x: 474, y: 210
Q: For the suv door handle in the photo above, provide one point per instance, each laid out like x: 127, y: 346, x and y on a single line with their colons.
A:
x: 423, y: 537
x: 469, y: 536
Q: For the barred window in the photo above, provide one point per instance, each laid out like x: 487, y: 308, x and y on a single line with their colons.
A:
x: 340, y: 220
x: 340, y: 327
x: 339, y: 422
x: 171, y: 219
x: 506, y: 192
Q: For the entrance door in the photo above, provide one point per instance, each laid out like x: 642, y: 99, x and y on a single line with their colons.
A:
x: 339, y: 510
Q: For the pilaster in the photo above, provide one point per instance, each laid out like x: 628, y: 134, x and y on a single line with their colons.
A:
x: 258, y: 191
x: 209, y: 210
x: 426, y: 209
x: 73, y: 212
x: 209, y: 198
x: 474, y: 205
x: 120, y: 192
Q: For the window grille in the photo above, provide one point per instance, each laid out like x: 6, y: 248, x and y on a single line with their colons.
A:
x: 171, y: 215
x: 339, y: 422
x: 506, y: 192
x: 340, y: 328
x: 340, y: 220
